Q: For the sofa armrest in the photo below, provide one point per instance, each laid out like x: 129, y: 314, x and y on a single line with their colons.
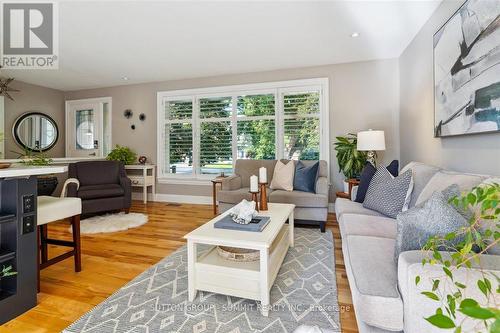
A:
x: 417, y: 306
x: 354, y: 192
x: 322, y: 186
x: 231, y: 183
x: 126, y: 184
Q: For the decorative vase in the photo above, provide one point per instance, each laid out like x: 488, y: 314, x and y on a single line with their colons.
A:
x: 346, y: 186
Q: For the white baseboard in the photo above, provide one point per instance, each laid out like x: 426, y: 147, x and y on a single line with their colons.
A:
x: 177, y: 198
x: 191, y: 199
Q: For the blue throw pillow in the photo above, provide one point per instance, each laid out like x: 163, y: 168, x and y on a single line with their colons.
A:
x: 367, y: 175
x: 305, y: 177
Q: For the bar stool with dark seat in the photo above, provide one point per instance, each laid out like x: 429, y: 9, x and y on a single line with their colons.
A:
x: 51, y: 209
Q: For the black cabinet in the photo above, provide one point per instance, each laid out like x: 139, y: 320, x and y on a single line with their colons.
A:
x: 18, y: 246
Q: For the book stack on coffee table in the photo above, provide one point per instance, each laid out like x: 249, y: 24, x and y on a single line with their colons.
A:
x: 257, y: 224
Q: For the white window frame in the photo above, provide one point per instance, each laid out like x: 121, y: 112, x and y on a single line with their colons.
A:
x: 276, y: 88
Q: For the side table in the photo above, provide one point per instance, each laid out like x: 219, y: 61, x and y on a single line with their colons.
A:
x: 352, y: 182
x: 215, y: 181
x: 142, y: 175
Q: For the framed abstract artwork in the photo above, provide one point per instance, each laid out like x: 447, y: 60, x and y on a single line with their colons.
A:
x: 467, y: 71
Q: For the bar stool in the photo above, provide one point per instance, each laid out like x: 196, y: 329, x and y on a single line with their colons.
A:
x: 51, y: 209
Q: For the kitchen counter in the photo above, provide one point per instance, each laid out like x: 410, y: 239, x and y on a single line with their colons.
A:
x: 20, y: 170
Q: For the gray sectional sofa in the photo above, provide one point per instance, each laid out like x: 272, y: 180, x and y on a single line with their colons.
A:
x: 311, y: 208
x: 384, y: 293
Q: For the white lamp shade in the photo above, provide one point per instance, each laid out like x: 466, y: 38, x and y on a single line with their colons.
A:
x: 371, y: 140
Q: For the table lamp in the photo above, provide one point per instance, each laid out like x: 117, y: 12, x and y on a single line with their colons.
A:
x: 371, y: 141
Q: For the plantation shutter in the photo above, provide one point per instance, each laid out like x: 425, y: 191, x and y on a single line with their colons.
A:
x: 301, y: 125
x: 216, y: 135
x: 256, y: 127
x: 178, y: 136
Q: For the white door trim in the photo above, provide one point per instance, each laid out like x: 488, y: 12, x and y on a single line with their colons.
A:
x: 100, y: 100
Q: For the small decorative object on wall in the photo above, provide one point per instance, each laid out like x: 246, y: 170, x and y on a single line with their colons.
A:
x: 142, y: 159
x: 142, y: 117
x: 128, y: 113
x: 467, y: 71
x: 5, y: 89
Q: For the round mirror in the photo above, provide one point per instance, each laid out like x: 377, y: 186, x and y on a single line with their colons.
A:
x: 35, y: 131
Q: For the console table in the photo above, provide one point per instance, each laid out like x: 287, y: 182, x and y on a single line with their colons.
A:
x: 142, y: 175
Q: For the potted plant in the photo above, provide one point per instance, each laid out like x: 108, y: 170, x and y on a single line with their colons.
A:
x: 6, y: 271
x: 122, y: 154
x: 350, y: 160
x: 455, y: 308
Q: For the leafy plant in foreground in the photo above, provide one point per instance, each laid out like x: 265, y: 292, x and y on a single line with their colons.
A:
x: 481, y: 234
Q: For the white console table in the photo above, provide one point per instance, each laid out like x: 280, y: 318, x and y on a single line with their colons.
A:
x: 142, y: 175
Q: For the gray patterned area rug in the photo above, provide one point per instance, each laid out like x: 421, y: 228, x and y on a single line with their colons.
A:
x: 304, y: 293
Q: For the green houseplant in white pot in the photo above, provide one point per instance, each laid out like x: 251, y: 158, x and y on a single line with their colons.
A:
x: 350, y: 160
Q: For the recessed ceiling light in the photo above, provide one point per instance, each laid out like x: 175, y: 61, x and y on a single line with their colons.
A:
x: 355, y: 34
x: 125, y: 78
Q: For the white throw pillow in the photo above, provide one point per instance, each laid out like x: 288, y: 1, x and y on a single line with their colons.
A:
x: 283, y: 176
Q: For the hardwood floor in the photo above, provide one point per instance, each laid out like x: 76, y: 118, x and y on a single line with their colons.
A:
x: 111, y: 260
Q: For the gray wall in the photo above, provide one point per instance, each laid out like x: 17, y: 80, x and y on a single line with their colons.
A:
x: 33, y: 98
x: 362, y: 95
x: 473, y: 153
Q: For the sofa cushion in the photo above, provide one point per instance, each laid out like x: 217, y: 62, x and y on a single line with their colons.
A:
x: 100, y: 191
x: 247, y: 168
x: 366, y: 225
x: 387, y: 194
x: 85, y: 172
x: 373, y: 281
x: 367, y: 175
x: 346, y: 206
x: 305, y: 177
x: 299, y: 198
x: 442, y: 179
x: 422, y: 173
x: 436, y: 218
x: 235, y: 196
x: 283, y: 176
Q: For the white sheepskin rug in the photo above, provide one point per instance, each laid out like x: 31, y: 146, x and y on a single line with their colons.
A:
x: 112, y: 222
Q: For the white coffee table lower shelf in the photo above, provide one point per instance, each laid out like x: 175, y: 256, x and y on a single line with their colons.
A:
x: 251, y: 280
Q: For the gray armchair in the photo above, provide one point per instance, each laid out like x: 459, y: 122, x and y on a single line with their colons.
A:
x: 310, y: 208
x: 104, y: 186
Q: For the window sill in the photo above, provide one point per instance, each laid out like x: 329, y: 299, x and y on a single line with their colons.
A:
x: 184, y: 181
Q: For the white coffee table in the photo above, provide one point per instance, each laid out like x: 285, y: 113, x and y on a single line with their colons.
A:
x: 251, y: 280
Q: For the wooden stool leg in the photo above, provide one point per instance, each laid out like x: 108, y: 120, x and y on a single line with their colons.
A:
x: 43, y: 242
x: 38, y: 257
x: 75, y: 223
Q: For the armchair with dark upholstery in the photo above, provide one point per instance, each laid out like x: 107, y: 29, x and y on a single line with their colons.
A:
x: 104, y: 186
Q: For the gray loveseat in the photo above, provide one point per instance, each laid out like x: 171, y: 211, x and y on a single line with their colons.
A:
x: 384, y: 293
x: 311, y: 208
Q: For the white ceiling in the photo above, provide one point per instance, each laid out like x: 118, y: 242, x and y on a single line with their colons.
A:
x: 100, y: 42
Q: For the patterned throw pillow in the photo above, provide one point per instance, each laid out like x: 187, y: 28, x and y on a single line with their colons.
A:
x: 435, y: 218
x: 387, y: 194
x: 366, y: 177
